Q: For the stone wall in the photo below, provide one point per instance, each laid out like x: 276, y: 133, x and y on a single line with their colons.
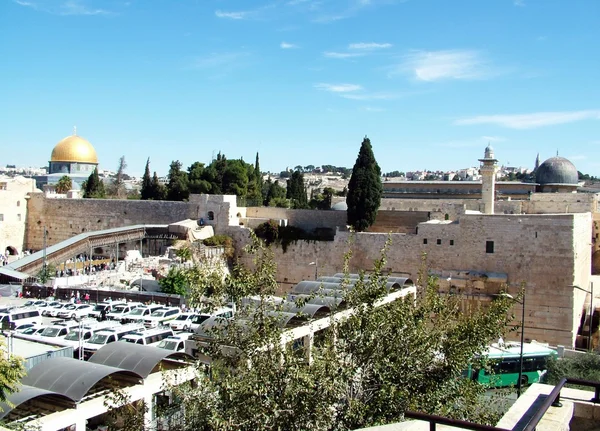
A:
x: 546, y: 253
x: 308, y: 220
x: 64, y: 218
x: 13, y: 211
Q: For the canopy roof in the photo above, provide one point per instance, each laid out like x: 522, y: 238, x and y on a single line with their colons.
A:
x: 135, y: 358
x: 26, y: 393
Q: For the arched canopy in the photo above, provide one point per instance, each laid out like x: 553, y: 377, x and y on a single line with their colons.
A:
x: 310, y: 310
x: 354, y: 278
x: 136, y: 358
x: 27, y: 393
x: 315, y: 286
x: 327, y: 301
x: 73, y: 378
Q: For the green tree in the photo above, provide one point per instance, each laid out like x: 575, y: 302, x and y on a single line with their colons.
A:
x: 175, y: 282
x: 364, y: 189
x: 94, y: 187
x: 358, y: 375
x: 198, y: 184
x: 11, y: 373
x: 64, y: 184
x: 158, y: 191
x: 117, y: 188
x: 178, y: 185
x: 296, y: 192
x: 146, y: 191
x: 274, y: 192
x: 235, y: 178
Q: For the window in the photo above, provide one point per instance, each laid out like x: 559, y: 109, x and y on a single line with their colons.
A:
x: 18, y: 203
x: 211, y: 215
x: 424, y: 240
x: 489, y: 246
x: 18, y: 217
x: 451, y: 242
x: 439, y: 242
x: 1, y: 217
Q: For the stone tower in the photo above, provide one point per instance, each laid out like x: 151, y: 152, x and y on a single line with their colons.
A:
x: 488, y: 180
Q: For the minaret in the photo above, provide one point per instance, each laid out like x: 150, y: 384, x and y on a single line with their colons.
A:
x: 488, y: 180
x: 537, y: 163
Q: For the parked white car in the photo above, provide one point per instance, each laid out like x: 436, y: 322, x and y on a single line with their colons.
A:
x: 162, y: 316
x: 53, y: 310
x: 138, y: 314
x: 75, y: 311
x: 199, y: 318
x: 96, y: 311
x: 175, y: 343
x: 183, y: 322
x: 119, y: 311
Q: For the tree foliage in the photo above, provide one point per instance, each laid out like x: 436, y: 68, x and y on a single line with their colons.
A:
x: 117, y: 187
x: 64, y: 184
x: 175, y: 282
x: 146, y: 191
x: 364, y: 189
x: 11, y: 373
x: 158, y: 191
x: 296, y: 191
x: 94, y: 187
x: 366, y: 369
x: 178, y: 186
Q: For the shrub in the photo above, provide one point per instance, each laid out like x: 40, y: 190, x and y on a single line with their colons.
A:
x: 224, y: 241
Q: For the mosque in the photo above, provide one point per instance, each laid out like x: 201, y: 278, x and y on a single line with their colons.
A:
x: 74, y: 157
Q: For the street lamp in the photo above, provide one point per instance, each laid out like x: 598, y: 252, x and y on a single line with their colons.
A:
x: 316, y: 264
x: 522, y: 302
x: 591, y: 292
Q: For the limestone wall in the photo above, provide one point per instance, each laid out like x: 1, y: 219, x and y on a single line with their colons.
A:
x: 13, y: 212
x: 547, y: 253
x: 64, y: 218
x: 308, y: 220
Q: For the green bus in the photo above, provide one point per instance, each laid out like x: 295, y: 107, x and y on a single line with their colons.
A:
x: 504, y: 362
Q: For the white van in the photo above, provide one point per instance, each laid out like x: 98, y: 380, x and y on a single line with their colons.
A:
x: 224, y: 312
x: 55, y: 333
x: 96, y: 312
x: 18, y: 316
x: 149, y: 337
x: 175, y: 343
x: 110, y: 335
x: 79, y: 335
x: 162, y: 316
x: 138, y: 314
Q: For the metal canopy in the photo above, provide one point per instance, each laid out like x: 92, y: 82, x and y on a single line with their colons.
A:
x: 25, y: 393
x: 135, y: 358
x: 72, y: 378
x: 13, y: 273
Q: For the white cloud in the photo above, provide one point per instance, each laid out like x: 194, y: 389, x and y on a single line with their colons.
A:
x: 373, y: 109
x: 68, y: 7
x: 519, y: 3
x: 443, y: 65
x: 370, y: 96
x: 342, y: 55
x: 231, y: 15
x: 285, y: 45
x: 369, y: 46
x: 577, y: 157
x: 533, y: 120
x: 339, y: 88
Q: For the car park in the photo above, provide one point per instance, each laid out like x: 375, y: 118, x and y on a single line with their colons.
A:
x: 149, y: 337
x: 75, y: 311
x: 54, y: 333
x: 53, y: 310
x: 106, y: 336
x: 78, y: 336
x: 31, y: 333
x: 138, y: 314
x: 183, y: 322
x: 161, y: 317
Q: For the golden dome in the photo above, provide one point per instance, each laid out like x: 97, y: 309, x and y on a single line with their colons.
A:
x: 74, y: 149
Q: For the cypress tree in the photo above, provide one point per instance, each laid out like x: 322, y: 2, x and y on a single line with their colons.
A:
x: 364, y: 189
x: 94, y: 187
x: 296, y: 191
x: 178, y: 187
x: 146, y: 192
x: 158, y: 191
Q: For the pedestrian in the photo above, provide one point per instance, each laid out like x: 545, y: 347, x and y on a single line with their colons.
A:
x: 103, y: 314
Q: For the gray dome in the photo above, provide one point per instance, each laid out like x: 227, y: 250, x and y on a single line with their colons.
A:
x: 557, y: 170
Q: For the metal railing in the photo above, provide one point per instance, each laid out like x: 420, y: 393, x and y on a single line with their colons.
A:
x: 552, y: 400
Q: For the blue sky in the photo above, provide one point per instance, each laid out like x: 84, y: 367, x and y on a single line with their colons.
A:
x: 431, y: 82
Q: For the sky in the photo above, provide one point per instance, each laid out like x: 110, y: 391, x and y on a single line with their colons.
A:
x: 302, y: 82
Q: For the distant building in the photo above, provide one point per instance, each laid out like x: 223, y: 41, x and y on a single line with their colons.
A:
x: 13, y: 214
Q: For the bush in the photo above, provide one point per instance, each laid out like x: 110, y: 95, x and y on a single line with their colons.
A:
x: 270, y: 232
x: 585, y: 366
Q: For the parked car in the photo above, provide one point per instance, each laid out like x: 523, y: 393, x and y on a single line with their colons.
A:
x: 106, y: 306
x: 119, y: 311
x: 78, y: 336
x: 224, y: 312
x: 161, y: 317
x: 31, y: 333
x: 29, y: 328
x: 138, y: 314
x: 175, y: 343
x: 148, y: 337
x: 105, y: 336
x: 183, y: 322
x: 19, y: 316
x: 53, y: 310
x: 75, y: 311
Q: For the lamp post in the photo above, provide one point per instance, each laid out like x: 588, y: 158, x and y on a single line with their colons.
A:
x: 316, y: 264
x: 591, y: 292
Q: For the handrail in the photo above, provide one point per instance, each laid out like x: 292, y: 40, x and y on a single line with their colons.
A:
x: 553, y: 399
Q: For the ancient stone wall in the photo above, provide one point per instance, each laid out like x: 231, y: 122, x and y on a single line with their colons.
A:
x: 536, y: 250
x: 308, y: 220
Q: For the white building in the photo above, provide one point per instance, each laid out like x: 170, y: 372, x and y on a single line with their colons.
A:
x: 13, y: 213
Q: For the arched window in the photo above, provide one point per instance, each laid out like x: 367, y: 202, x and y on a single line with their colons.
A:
x: 18, y: 203
x: 211, y: 215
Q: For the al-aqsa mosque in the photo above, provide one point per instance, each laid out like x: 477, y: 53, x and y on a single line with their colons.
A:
x: 74, y: 157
